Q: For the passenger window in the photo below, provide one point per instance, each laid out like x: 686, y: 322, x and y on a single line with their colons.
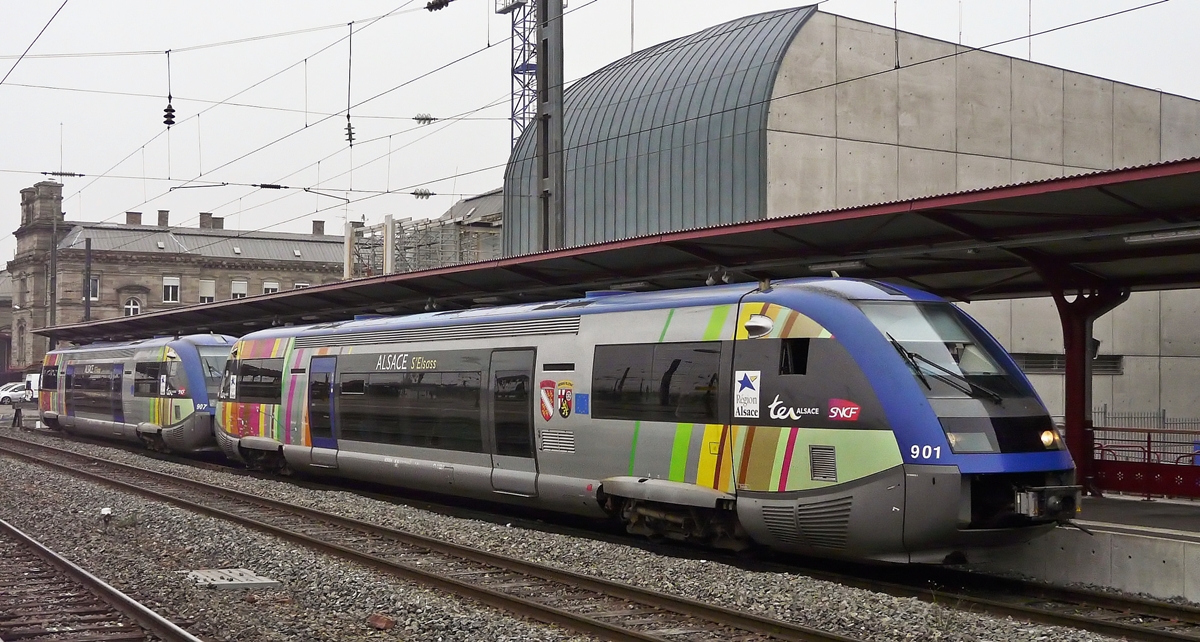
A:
x: 673, y: 382
x: 145, y: 379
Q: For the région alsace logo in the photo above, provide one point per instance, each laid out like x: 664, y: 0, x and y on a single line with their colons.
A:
x: 843, y: 410
x: 746, y: 395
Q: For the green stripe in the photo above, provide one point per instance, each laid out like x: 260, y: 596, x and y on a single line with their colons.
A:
x: 679, y: 452
x: 716, y: 322
x: 637, y: 426
x: 670, y: 313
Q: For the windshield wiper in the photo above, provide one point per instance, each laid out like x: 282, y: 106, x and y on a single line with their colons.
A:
x: 971, y: 386
x: 908, y: 358
x: 950, y: 378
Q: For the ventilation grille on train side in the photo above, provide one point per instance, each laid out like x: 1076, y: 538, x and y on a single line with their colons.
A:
x: 781, y: 522
x: 825, y: 524
x: 559, y: 441
x: 822, y: 461
x: 565, y: 325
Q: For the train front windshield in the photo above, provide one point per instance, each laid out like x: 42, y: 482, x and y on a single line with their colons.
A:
x: 943, y: 353
x: 212, y: 361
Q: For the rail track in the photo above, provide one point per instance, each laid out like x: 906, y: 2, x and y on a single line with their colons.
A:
x: 605, y: 609
x: 1106, y: 613
x: 43, y: 596
x: 1113, y: 614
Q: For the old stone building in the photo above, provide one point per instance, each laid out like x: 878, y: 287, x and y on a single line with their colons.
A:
x: 138, y: 268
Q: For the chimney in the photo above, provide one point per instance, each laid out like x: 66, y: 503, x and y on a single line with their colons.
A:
x: 133, y: 218
x: 218, y: 222
x: 163, y: 215
x: 318, y: 228
x: 206, y: 220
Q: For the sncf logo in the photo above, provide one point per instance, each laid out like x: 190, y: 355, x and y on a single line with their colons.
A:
x: 843, y: 410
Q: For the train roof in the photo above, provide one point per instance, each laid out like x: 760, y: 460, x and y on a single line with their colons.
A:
x: 197, y: 339
x: 611, y: 301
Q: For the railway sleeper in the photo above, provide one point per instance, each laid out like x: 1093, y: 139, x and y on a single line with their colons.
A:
x: 716, y: 527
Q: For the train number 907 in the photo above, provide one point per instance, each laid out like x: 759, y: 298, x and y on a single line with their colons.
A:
x: 925, y: 452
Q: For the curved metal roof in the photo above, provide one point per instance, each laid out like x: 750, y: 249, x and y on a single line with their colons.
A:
x: 671, y: 137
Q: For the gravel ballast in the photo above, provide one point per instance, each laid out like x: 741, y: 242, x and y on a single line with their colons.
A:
x: 325, y: 599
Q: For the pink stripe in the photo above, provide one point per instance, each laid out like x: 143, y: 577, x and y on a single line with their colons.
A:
x: 289, y: 403
x: 787, y: 459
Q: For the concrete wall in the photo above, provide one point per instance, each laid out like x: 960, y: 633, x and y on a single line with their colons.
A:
x: 848, y: 128
x: 1154, y: 332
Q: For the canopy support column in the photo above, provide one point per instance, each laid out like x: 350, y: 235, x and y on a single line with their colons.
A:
x: 1078, y: 316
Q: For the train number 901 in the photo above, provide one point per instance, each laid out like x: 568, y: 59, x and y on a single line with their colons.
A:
x: 925, y: 452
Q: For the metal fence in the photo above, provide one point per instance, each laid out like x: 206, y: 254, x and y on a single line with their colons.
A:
x: 1150, y: 437
x: 1147, y: 452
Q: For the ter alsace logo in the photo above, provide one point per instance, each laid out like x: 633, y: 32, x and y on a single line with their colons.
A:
x: 843, y: 410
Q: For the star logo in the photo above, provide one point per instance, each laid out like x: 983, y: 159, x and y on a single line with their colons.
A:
x: 746, y: 382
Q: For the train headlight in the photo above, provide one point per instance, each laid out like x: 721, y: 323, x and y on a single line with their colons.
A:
x: 1048, y: 438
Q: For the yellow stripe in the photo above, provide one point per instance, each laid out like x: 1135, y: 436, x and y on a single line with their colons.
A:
x: 707, y: 468
x: 744, y: 313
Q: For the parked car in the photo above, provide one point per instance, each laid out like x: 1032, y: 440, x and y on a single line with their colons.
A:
x: 10, y: 392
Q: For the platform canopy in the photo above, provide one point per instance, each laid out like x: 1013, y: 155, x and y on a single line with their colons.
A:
x: 1132, y: 229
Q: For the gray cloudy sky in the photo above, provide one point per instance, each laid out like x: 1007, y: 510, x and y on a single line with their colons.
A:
x: 257, y: 109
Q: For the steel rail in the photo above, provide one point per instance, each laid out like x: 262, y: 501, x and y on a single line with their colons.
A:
x: 1020, y: 599
x: 123, y: 604
x: 721, y: 616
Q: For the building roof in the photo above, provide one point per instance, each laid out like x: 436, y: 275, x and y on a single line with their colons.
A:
x: 670, y: 137
x: 484, y: 208
x: 212, y: 243
x: 1135, y: 228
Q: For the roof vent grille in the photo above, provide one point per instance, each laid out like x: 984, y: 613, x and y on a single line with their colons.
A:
x: 296, y: 252
x: 237, y: 250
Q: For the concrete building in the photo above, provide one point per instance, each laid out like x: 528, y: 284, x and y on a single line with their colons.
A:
x: 6, y: 313
x: 799, y: 111
x: 138, y: 268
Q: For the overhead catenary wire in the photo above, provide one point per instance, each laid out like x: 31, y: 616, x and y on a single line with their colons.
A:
x: 252, y: 86
x: 401, y: 190
x: 33, y: 42
x: 364, y: 101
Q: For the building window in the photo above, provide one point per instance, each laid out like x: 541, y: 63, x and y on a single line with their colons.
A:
x: 208, y: 290
x: 170, y: 289
x: 133, y: 307
x: 270, y: 287
x: 299, y: 286
x: 238, y: 291
x: 94, y: 288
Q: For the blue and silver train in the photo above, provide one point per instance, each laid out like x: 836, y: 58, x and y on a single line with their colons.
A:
x: 826, y: 416
x: 159, y: 392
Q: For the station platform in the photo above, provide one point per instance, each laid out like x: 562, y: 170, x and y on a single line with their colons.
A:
x: 1137, y: 546
x: 1169, y: 518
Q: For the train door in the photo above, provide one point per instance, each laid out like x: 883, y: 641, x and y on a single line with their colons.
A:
x: 114, y: 395
x: 69, y: 399
x: 510, y: 422
x: 321, y: 415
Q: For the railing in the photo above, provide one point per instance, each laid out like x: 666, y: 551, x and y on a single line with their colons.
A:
x: 1147, y: 461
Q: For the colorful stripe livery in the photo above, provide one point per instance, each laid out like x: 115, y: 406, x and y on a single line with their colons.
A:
x: 286, y: 422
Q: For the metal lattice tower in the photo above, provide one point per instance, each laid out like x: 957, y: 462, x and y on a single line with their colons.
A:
x: 524, y: 62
